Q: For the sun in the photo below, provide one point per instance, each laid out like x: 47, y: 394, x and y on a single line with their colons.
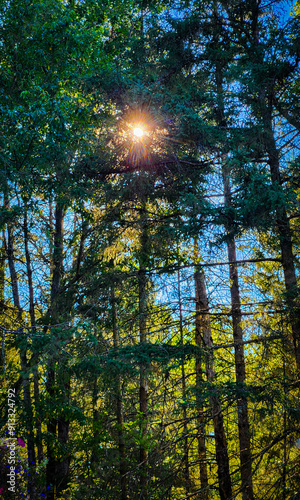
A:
x: 138, y: 132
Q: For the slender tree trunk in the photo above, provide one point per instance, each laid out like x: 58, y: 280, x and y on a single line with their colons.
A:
x: 142, y: 287
x: 56, y: 472
x: 199, y: 385
x: 95, y: 450
x: 62, y: 381
x: 24, y: 366
x: 29, y: 270
x: 40, y: 453
x: 185, y: 426
x: 242, y: 404
x: 121, y: 442
x: 57, y: 259
x: 143, y: 381
x: 13, y: 273
x: 33, y: 324
x: 225, y: 487
x: 204, y: 329
x: 29, y: 426
x: 285, y: 425
x: 63, y: 426
x: 51, y: 430
x: 240, y: 370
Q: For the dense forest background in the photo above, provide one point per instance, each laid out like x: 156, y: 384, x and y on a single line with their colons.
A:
x: 150, y: 251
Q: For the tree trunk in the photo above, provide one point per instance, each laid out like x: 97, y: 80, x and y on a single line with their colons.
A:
x: 63, y: 425
x: 204, y: 329
x: 240, y: 371
x: 185, y: 426
x: 51, y: 431
x: 29, y: 271
x: 24, y: 366
x: 142, y: 287
x: 56, y: 472
x: 143, y: 382
x: 63, y: 377
x: 33, y: 324
x: 200, y: 409
x: 57, y: 259
x: 121, y: 443
x: 95, y: 450
x: 242, y: 404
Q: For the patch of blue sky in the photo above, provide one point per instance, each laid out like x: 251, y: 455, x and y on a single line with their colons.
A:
x: 282, y: 9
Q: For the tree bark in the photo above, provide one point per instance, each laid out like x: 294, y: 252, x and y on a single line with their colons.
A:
x: 142, y: 288
x: 24, y: 366
x: 187, y: 478
x: 33, y: 324
x: 56, y: 471
x: 119, y: 406
x: 29, y: 270
x: 63, y: 426
x: 51, y: 430
x: 204, y: 329
x: 240, y: 370
x: 143, y: 382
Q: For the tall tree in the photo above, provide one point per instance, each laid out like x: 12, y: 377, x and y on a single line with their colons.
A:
x: 225, y: 488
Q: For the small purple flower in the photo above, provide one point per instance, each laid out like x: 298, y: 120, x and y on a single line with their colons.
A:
x: 21, y: 442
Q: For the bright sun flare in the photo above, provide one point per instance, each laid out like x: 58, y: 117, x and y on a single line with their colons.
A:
x: 138, y: 132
